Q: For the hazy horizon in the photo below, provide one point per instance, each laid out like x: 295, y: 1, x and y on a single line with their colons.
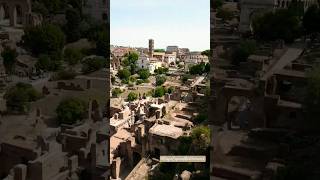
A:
x: 183, y: 23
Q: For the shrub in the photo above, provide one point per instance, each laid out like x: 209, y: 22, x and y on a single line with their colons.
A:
x: 132, y: 96
x: 71, y: 110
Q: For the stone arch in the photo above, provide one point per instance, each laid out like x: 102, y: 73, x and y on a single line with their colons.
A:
x: 287, y: 3
x: 220, y: 105
x: 4, y: 12
x: 18, y: 14
x: 18, y: 11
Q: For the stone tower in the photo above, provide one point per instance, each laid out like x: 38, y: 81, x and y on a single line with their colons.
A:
x: 151, y: 47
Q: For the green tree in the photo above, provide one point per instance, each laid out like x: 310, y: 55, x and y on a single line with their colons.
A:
x: 217, y: 4
x: 161, y: 70
x: 72, y: 26
x: 312, y: 100
x: 185, y: 78
x: 124, y: 74
x: 132, y: 57
x: 93, y: 64
x: 19, y: 97
x: 116, y: 92
x: 102, y: 44
x: 53, y: 6
x: 132, y: 79
x: 159, y: 91
x: 72, y: 56
x: 281, y: 24
x: 224, y: 14
x: 40, y: 8
x: 200, y: 118
x: 206, y: 53
x: 71, y: 110
x: 144, y: 73
x: 159, y: 50
x: 311, y: 16
x: 200, y: 139
x: 43, y: 63
x: 132, y: 96
x: 243, y: 51
x: 184, y: 145
x: 199, y: 68
x: 9, y: 59
x: 44, y: 39
x: 77, y: 4
x: 171, y: 90
x: 296, y: 8
x: 64, y: 75
x: 160, y: 80
x: 207, y: 68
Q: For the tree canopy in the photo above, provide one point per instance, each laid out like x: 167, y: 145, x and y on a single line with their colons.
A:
x: 243, y: 51
x: 19, y: 97
x: 281, y: 24
x: 313, y: 97
x: 71, y: 110
x: 161, y: 70
x: 72, y: 56
x: 225, y: 14
x: 9, y: 58
x: 199, y: 68
x: 44, y: 39
x: 159, y: 91
x: 311, y: 16
x: 93, y: 64
x: 160, y: 80
x: 116, y: 92
x: 124, y: 74
x: 71, y: 28
x: 144, y: 74
x: 132, y: 96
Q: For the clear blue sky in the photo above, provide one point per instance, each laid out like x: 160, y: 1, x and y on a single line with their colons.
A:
x: 185, y: 23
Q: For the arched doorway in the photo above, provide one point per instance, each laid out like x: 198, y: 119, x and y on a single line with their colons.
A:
x: 4, y: 14
x: 18, y: 15
x: 157, y: 153
x: 238, y: 109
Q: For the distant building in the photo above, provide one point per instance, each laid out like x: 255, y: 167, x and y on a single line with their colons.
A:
x: 171, y: 49
x: 151, y: 47
x: 170, y: 58
x: 144, y: 62
x: 195, y: 58
x: 119, y: 52
x: 159, y: 56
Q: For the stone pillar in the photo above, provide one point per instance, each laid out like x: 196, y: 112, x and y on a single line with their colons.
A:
x: 158, y: 114
x: 129, y: 152
x: 2, y: 12
x: 90, y: 110
x: 93, y: 152
x: 13, y: 16
x: 73, y: 163
x: 167, y: 97
x: 20, y: 172
x: 115, y: 168
x: 82, y: 157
